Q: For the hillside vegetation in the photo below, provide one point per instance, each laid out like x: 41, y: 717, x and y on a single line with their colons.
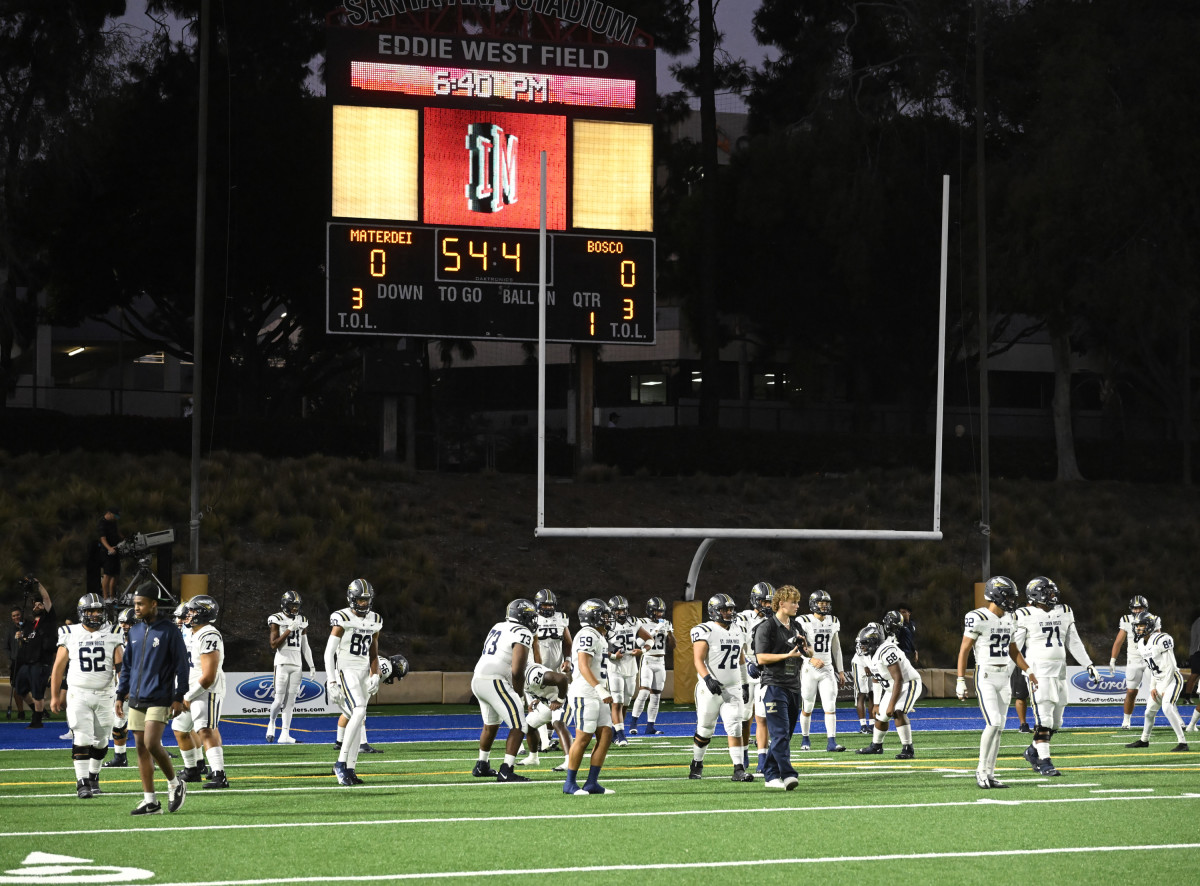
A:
x: 447, y: 551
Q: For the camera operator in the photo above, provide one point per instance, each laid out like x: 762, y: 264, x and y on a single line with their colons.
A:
x: 13, y: 647
x: 110, y: 563
x: 38, y: 642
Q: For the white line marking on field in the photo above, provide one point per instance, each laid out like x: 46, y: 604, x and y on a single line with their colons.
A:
x: 559, y: 816
x: 524, y: 872
x: 1124, y: 791
x: 1068, y: 784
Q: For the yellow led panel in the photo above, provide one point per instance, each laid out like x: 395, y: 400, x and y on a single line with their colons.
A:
x: 375, y: 165
x: 613, y: 176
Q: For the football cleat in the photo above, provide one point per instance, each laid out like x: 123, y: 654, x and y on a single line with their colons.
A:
x: 696, y: 769
x: 218, y: 780
x: 622, y: 742
x: 507, y: 775
x: 94, y: 781
x: 1182, y: 746
x: 740, y: 774
x: 805, y: 745
x: 337, y: 745
x: 365, y: 748
x: 994, y: 782
x: 531, y: 760
x: 1048, y: 769
x: 833, y: 747
x: 270, y: 738
x: 1025, y: 727
x: 872, y: 748
x: 554, y: 745
x: 906, y: 753
x: 594, y: 789
x: 176, y: 794
x: 1031, y: 757
x: 287, y: 739
x: 117, y: 760
x: 982, y: 781
x: 1138, y: 744
x: 339, y: 769
x: 191, y: 773
x: 483, y: 770
x: 865, y: 729
x: 633, y: 730
x: 147, y: 807
x: 83, y: 789
x: 1191, y: 727
x: 1126, y: 725
x: 561, y: 767
x: 353, y: 776
x: 650, y: 730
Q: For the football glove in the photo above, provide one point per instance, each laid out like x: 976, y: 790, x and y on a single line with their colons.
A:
x: 1093, y: 674
x: 334, y: 690
x: 372, y: 684
x: 960, y: 687
x: 745, y: 693
x: 713, y: 684
x: 753, y: 670
x: 1112, y: 666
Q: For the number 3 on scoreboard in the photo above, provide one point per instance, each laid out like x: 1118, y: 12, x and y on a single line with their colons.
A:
x: 356, y: 300
x: 627, y: 310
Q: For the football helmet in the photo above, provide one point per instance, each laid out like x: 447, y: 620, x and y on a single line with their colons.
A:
x: 1138, y: 604
x: 546, y: 603
x: 820, y: 603
x: 891, y: 623
x: 1144, y: 624
x: 620, y: 608
x: 1041, y: 590
x: 520, y: 611
x: 394, y: 667
x: 290, y: 603
x: 656, y: 608
x: 127, y: 619
x: 760, y: 597
x: 181, y: 614
x: 91, y: 610
x: 722, y: 609
x: 204, y: 610
x: 1002, y: 591
x: 361, y: 596
x: 870, y: 638
x: 595, y: 613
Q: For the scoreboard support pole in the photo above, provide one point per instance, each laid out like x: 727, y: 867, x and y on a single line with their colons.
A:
x: 585, y: 396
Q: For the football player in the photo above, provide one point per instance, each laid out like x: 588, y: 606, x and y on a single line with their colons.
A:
x: 719, y: 653
x: 658, y: 641
x: 756, y: 711
x: 588, y: 697
x: 288, y: 636
x: 823, y: 672
x: 191, y: 747
x: 352, y: 670
x: 864, y: 704
x: 623, y: 650
x: 498, y: 682
x: 92, y: 648
x: 553, y: 648
x: 549, y: 691
x: 1135, y: 668
x: 900, y: 686
x: 989, y: 632
x: 1157, y: 650
x: 120, y: 730
x: 206, y: 683
x: 1046, y: 630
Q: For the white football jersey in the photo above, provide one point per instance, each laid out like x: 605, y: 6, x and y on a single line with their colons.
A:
x: 658, y: 631
x: 726, y: 647
x: 749, y: 619
x: 497, y: 657
x: 1045, y: 638
x: 889, y: 653
x: 1126, y: 625
x: 90, y: 655
x: 1158, y: 652
x: 623, y: 638
x: 203, y: 641
x: 822, y: 634
x: 535, y: 674
x: 592, y: 643
x: 549, y: 636
x: 354, y: 649
x: 289, y: 652
x: 992, y: 633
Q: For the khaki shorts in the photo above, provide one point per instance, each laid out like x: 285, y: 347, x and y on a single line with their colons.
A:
x: 138, y: 717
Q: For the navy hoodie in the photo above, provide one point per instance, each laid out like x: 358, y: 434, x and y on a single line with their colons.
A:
x: 154, y: 671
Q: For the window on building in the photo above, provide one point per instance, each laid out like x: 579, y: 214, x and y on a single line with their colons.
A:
x: 648, y: 388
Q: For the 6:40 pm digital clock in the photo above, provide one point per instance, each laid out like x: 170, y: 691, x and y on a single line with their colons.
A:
x: 483, y: 283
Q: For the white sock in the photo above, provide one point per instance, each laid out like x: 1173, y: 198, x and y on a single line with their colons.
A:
x: 736, y: 755
x: 831, y: 726
x: 285, y: 726
x: 652, y: 707
x: 639, y: 703
x: 149, y: 797
x: 216, y: 759
x: 81, y: 769
x: 805, y: 724
x: 1043, y: 749
x: 190, y: 756
x: 1125, y: 719
x: 904, y: 733
x: 341, y: 733
x: 877, y: 735
x: 1176, y: 722
x: 1195, y: 717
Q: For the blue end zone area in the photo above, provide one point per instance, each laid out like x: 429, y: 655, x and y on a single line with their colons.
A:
x: 425, y: 727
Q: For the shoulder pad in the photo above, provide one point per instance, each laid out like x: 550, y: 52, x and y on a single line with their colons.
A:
x: 1065, y: 607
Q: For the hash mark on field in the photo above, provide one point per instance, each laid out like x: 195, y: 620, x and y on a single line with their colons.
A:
x: 1124, y: 791
x: 1061, y: 784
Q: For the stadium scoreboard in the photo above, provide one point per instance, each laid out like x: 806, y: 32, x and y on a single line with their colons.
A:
x: 437, y: 188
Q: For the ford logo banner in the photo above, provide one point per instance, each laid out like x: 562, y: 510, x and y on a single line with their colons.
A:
x: 254, y: 693
x: 1114, y: 685
x: 261, y: 689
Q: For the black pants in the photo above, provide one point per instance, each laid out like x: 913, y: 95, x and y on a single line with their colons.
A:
x: 783, y: 707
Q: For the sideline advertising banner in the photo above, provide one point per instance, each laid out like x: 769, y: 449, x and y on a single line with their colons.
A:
x: 251, y: 694
x: 1110, y: 690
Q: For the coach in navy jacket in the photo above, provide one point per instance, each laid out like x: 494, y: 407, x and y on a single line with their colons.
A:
x: 154, y: 679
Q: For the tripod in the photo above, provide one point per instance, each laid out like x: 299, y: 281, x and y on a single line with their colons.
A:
x: 143, y: 572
